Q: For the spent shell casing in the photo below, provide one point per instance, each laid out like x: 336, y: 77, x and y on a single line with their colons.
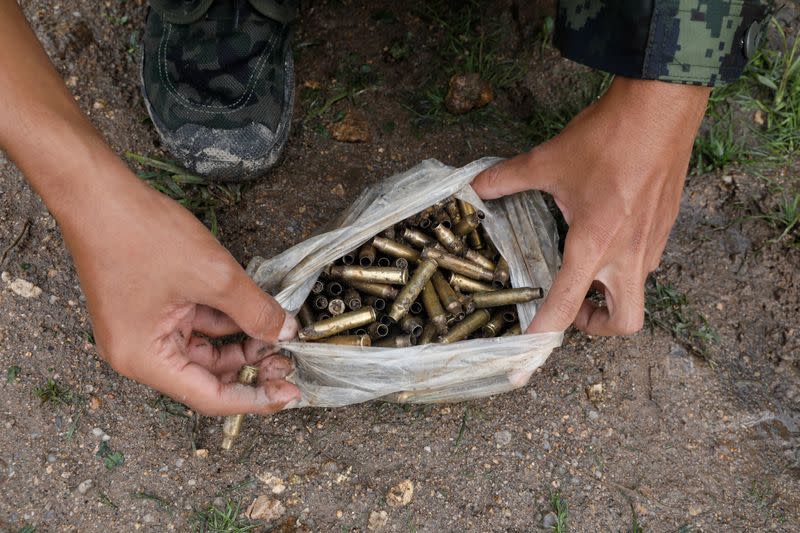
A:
x: 349, y: 258
x: 448, y: 239
x: 411, y: 325
x: 233, y: 424
x: 428, y: 334
x: 520, y: 295
x: 317, y: 287
x: 380, y: 290
x: 333, y: 288
x: 386, y: 320
x: 320, y: 302
x: 416, y: 308
x: 417, y: 238
x: 378, y: 303
x: 395, y: 249
x: 411, y: 290
x: 466, y: 225
x: 424, y: 223
x: 495, y: 324
x: 441, y: 217
x: 376, y: 330
x: 510, y: 316
x: 336, y: 307
x: 305, y: 315
x: 401, y: 262
x: 447, y: 296
x: 467, y: 303
x: 452, y: 211
x: 325, y: 315
x: 465, y: 207
x: 501, y: 275
x: 465, y: 284
x: 383, y: 261
x: 479, y: 259
x: 348, y: 340
x: 457, y: 264
x: 433, y: 307
x: 465, y: 328
x: 366, y: 255
x: 399, y: 341
x: 338, y: 324
x: 516, y: 329
x: 388, y: 275
x: 352, y: 299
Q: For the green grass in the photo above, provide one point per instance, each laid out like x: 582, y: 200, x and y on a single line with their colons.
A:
x: 785, y: 218
x: 197, y: 194
x: 559, y: 506
x: 53, y: 392
x: 669, y: 309
x: 162, y: 504
x: 166, y: 406
x: 27, y: 528
x: 225, y: 520
x: 110, y: 458
x: 12, y: 373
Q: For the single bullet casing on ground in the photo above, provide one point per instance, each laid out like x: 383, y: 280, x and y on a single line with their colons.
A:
x: 411, y: 290
x: 466, y: 327
x: 338, y: 324
x: 396, y: 249
x: 457, y: 264
x: 336, y: 307
x: 352, y: 299
x: 417, y: 238
x: 366, y: 255
x: 386, y: 275
x: 428, y: 334
x: 465, y: 284
x: 433, y: 307
x: 232, y: 425
x: 305, y: 315
x: 497, y: 298
x: 400, y: 341
x: 447, y: 296
x: 380, y: 290
x: 448, y: 239
x: 348, y: 340
x: 479, y: 259
x: 501, y: 275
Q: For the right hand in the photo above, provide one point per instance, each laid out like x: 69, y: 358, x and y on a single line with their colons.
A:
x: 153, y: 275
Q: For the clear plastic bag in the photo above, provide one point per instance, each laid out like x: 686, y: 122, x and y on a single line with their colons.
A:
x: 521, y: 228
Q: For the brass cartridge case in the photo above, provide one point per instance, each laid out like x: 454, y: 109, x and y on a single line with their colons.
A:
x: 304, y: 315
x: 428, y: 334
x: 333, y: 288
x: 416, y: 308
x: 417, y: 238
x: 325, y: 315
x: 352, y: 299
x: 349, y: 258
x: 452, y: 211
x: 318, y: 287
x: 448, y: 239
x: 424, y: 223
x: 320, y: 302
x: 386, y: 320
x: 510, y: 316
x: 479, y: 259
x: 467, y: 224
x: 395, y: 249
x: 441, y: 217
x: 376, y: 330
x: 475, y: 239
x: 466, y: 327
x: 411, y: 325
x: 383, y: 262
x: 506, y: 297
x: 336, y: 307
x: 457, y: 264
x: 399, y: 341
x: 232, y: 425
x: 401, y: 262
x: 434, y: 309
x: 501, y: 275
x: 465, y: 207
x: 392, y: 276
x: 378, y: 303
x: 348, y: 340
x: 366, y: 255
x: 338, y: 324
x: 465, y: 284
x: 375, y: 289
x: 467, y: 303
x: 516, y: 329
x: 411, y: 290
x: 495, y: 324
x: 447, y: 296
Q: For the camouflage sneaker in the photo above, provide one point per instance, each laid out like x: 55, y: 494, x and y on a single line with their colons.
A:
x: 218, y: 82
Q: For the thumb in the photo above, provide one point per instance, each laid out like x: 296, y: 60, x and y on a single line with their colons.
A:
x: 521, y: 173
x: 256, y: 312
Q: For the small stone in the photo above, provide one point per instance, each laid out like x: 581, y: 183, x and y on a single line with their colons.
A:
x: 52, y: 299
x: 201, y: 452
x: 148, y: 518
x: 99, y: 433
x: 192, y: 482
x: 401, y: 494
x: 179, y: 462
x: 265, y: 508
x: 94, y: 403
x: 275, y: 484
x: 502, y: 438
x: 467, y: 92
x: 51, y: 458
x: 595, y: 393
x: 338, y: 190
x: 593, y: 415
x: 695, y: 510
x: 377, y: 520
x: 758, y: 117
x: 549, y: 521
x: 5, y: 276
x: 219, y: 502
x: 99, y: 104
x: 427, y: 449
x: 353, y: 128
x: 546, y: 446
x: 24, y: 288
x: 85, y: 485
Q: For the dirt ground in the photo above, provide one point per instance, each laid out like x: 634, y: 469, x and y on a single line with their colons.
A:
x: 672, y: 444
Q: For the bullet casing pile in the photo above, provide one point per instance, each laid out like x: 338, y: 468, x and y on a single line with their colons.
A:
x: 436, y: 277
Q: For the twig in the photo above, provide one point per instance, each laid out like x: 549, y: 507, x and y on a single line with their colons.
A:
x: 15, y: 242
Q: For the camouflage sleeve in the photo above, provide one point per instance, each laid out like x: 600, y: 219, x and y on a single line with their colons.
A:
x: 702, y: 42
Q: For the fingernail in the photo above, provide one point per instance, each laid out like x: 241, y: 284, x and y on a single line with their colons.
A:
x: 289, y: 328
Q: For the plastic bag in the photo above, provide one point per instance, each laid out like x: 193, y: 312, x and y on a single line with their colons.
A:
x: 521, y: 228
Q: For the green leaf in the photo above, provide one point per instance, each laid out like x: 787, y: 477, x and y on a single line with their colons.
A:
x: 12, y: 373
x: 763, y: 80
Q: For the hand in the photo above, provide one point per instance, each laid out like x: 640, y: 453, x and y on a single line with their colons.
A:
x: 616, y: 172
x: 153, y: 275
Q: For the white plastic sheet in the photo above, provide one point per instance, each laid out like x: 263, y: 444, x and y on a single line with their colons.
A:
x: 521, y: 228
